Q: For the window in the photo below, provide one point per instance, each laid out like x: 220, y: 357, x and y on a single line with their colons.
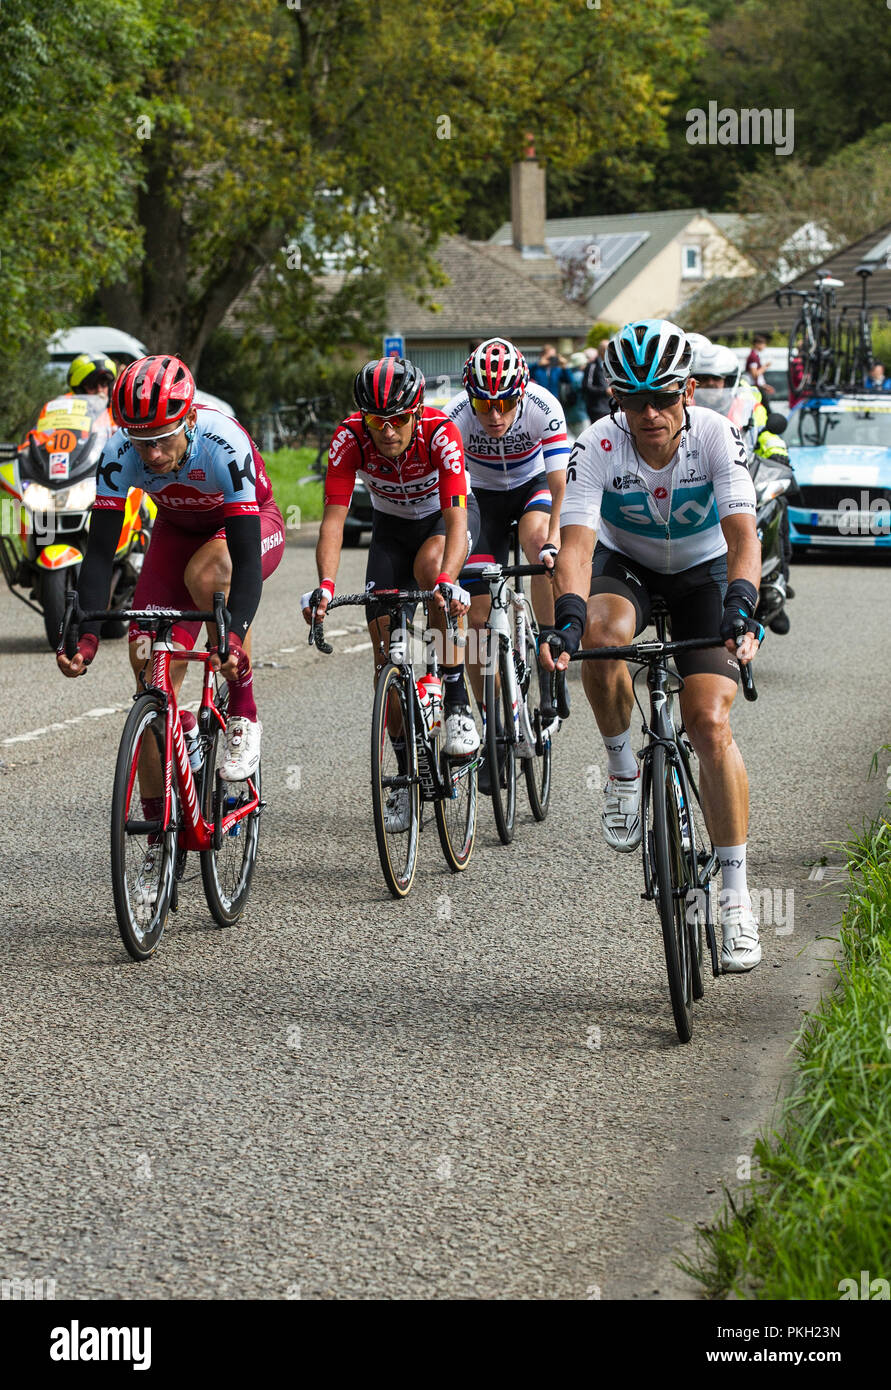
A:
x: 691, y: 262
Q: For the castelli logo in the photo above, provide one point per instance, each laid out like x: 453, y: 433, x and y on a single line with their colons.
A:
x: 606, y: 444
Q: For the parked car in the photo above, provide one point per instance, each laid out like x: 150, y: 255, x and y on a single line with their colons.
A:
x: 121, y: 347
x: 360, y: 515
x: 840, y: 449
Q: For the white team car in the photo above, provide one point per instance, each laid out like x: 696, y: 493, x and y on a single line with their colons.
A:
x: 122, y: 348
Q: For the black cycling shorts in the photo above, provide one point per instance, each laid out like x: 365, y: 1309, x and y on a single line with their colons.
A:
x: 498, y: 512
x: 694, y: 598
x: 396, y: 540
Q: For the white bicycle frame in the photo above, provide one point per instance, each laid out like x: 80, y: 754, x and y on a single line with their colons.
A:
x: 510, y: 607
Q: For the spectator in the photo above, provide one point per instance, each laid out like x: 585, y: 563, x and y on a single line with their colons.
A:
x: 552, y: 372
x: 594, y: 384
x: 877, y: 381
x: 796, y: 377
x: 576, y: 416
x: 756, y: 367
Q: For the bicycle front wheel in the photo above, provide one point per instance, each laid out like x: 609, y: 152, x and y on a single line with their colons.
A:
x: 395, y: 789
x: 227, y: 872
x: 537, y: 770
x: 671, y: 883
x: 143, y: 860
x: 501, y: 755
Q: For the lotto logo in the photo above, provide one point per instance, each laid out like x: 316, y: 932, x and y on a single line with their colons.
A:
x: 451, y: 455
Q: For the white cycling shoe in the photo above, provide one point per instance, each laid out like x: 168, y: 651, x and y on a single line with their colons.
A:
x: 742, y: 949
x: 397, y: 812
x: 242, y: 747
x: 145, y: 889
x: 621, y: 813
x: 461, y: 734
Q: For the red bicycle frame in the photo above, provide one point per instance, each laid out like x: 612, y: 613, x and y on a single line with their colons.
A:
x: 197, y: 832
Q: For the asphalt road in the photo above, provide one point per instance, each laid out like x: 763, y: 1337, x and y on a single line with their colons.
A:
x: 474, y: 1093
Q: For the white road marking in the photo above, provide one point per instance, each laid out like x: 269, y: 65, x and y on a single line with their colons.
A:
x: 362, y: 647
x: 817, y: 873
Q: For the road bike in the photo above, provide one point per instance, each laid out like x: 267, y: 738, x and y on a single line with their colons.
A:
x: 812, y: 341
x: 406, y: 738
x: 679, y: 859
x: 854, y: 344
x: 200, y: 812
x: 517, y: 725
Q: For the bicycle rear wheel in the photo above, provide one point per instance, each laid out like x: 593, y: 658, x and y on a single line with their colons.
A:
x: 395, y: 789
x: 670, y: 883
x: 456, y: 815
x: 227, y: 872
x: 501, y: 753
x: 143, y: 861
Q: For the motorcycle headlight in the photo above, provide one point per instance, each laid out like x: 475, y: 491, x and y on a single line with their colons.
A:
x: 770, y: 488
x: 38, y: 498
x: 77, y: 498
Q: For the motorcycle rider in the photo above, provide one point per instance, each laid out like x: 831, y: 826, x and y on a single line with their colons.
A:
x: 92, y: 375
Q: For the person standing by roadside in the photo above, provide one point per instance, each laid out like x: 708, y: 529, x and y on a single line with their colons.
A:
x: 551, y: 371
x: 595, y: 387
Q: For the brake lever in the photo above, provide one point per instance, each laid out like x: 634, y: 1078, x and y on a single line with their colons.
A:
x: 221, y: 619
x: 67, y: 638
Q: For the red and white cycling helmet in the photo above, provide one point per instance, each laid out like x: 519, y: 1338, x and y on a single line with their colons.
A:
x: 151, y: 392
x: 496, y: 371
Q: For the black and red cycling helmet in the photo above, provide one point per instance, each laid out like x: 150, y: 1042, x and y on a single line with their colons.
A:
x: 152, y: 391
x: 388, y: 386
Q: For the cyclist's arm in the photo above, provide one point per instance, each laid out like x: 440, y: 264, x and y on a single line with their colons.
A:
x: 557, y: 484
x: 344, y: 457
x: 743, y: 549
x: 244, y: 540
x: 95, y: 574
x: 330, y: 542
x: 455, y: 549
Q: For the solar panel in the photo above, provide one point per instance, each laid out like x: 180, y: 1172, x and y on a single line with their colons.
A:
x: 604, y: 252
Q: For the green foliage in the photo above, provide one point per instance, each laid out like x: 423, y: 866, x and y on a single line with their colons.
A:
x: 296, y: 500
x: 600, y: 330
x: 820, y: 1209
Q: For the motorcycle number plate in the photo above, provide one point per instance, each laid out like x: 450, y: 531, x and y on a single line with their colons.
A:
x: 59, y: 465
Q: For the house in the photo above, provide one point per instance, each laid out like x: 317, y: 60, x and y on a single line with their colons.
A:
x: 764, y: 315
x: 640, y: 265
x: 512, y: 290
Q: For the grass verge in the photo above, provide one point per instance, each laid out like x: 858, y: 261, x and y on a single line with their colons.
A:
x: 819, y: 1210
x: 297, y: 501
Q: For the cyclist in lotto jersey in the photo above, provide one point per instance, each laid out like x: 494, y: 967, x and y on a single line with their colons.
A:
x: 217, y: 528
x: 425, y: 521
x: 516, y: 450
x: 664, y: 485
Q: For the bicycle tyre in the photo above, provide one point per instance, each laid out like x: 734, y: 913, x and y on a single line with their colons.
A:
x: 501, y: 752
x: 670, y: 876
x: 456, y: 816
x: 398, y: 867
x: 141, y: 904
x: 537, y: 770
x: 226, y: 873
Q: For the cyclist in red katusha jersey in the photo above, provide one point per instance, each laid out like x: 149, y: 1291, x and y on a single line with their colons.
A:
x: 217, y: 528
x: 425, y: 523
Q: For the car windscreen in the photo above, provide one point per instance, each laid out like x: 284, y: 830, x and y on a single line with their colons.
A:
x: 862, y: 427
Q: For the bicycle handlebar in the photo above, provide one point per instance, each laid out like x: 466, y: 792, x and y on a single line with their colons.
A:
x: 387, y: 598
x: 75, y: 616
x: 645, y: 653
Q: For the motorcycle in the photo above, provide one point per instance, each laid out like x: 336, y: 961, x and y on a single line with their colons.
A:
x: 47, y: 486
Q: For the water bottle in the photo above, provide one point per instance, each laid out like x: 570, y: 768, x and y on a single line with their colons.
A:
x: 193, y: 748
x: 430, y: 696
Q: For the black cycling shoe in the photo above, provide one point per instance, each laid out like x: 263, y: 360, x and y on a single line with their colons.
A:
x: 780, y: 623
x: 790, y: 592
x: 483, y: 779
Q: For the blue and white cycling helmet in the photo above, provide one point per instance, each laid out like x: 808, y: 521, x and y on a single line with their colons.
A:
x: 649, y: 355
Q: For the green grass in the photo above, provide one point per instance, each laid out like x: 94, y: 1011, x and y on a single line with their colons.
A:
x: 297, y: 503
x: 820, y: 1208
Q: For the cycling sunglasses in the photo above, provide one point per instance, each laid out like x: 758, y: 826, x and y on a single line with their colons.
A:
x: 377, y: 422
x: 639, y: 400
x: 484, y: 407
x: 154, y: 438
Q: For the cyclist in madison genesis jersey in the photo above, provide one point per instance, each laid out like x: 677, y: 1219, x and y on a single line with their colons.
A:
x: 516, y: 450
x: 217, y: 529
x: 425, y: 521
x: 666, y: 489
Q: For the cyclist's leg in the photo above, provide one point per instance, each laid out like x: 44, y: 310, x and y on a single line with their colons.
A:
x: 534, y: 522
x: 461, y: 735
x: 618, y: 609
x: 491, y: 548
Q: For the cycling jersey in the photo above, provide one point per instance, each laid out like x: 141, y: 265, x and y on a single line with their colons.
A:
x: 536, y: 440
x: 221, y: 475
x: 607, y: 490
x: 428, y: 477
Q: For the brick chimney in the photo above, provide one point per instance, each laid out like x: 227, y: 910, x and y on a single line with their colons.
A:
x: 527, y: 206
